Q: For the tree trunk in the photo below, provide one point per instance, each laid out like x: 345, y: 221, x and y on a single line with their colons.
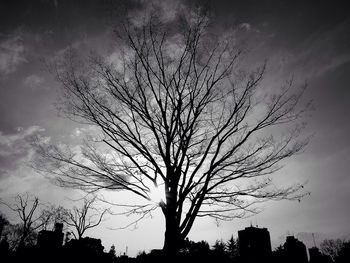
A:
x: 172, y: 238
x: 21, y: 243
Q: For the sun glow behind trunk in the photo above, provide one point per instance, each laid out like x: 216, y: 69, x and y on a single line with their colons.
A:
x: 157, y: 193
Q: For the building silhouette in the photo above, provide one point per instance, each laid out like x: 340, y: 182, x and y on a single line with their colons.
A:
x: 51, y: 239
x: 254, y: 244
x: 295, y: 250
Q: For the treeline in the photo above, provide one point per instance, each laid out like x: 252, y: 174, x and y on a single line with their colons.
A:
x: 43, y: 232
x: 330, y: 251
x: 33, y: 215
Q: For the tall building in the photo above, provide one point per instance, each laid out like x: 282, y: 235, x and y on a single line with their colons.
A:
x: 295, y: 250
x: 254, y: 244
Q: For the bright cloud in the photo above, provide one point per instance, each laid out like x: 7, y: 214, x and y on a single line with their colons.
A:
x: 245, y: 26
x: 16, y: 149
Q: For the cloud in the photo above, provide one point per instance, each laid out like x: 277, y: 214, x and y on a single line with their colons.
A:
x: 16, y: 149
x: 321, y: 53
x: 166, y: 10
x: 33, y: 81
x: 11, y: 54
x: 245, y: 26
x: 90, y: 130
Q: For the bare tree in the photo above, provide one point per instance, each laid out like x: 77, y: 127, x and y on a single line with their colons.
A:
x: 30, y: 219
x: 50, y: 215
x: 86, y: 217
x: 176, y: 112
x: 3, y: 223
x: 332, y: 247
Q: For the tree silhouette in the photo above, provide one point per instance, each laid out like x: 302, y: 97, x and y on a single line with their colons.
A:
x: 332, y: 247
x: 195, y: 249
x: 176, y: 112
x: 30, y: 218
x: 232, y: 248
x: 219, y: 251
x: 344, y: 253
x: 83, y: 218
x: 112, y: 252
x: 219, y: 247
x: 53, y: 214
x: 3, y: 222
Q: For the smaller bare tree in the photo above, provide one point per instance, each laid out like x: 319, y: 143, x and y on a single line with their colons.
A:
x: 85, y: 217
x: 52, y: 215
x: 26, y: 208
x: 332, y: 247
x: 3, y: 222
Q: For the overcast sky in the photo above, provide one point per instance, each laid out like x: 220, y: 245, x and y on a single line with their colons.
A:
x: 309, y: 40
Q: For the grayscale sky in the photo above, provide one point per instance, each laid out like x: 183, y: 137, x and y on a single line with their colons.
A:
x: 309, y: 40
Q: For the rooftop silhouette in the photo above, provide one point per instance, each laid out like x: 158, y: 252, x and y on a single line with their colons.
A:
x: 254, y: 244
